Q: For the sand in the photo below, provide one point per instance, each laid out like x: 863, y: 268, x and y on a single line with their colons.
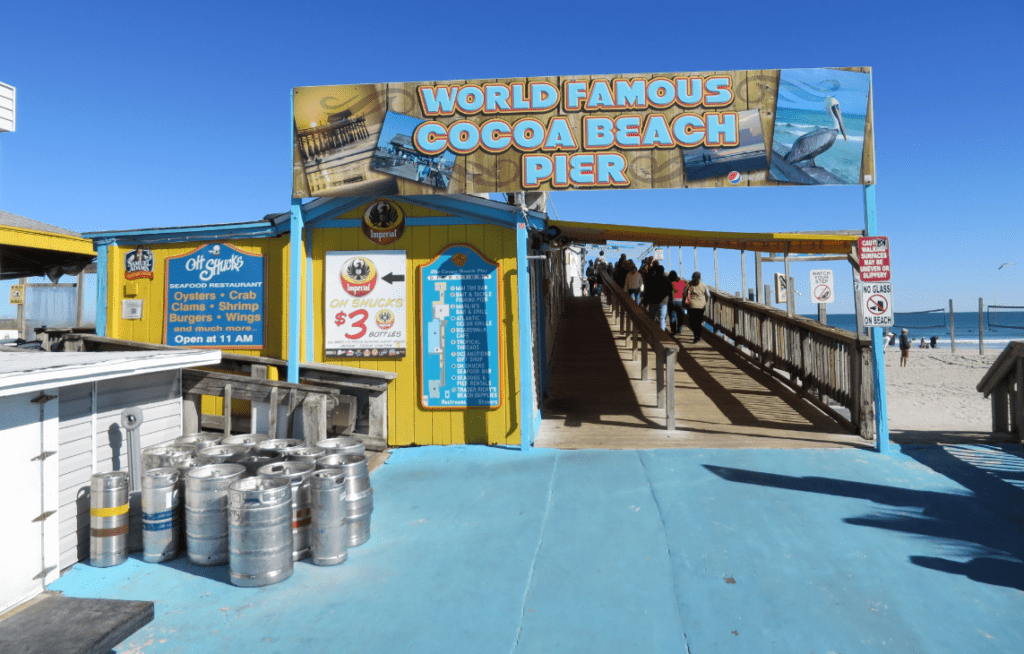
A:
x: 937, y: 391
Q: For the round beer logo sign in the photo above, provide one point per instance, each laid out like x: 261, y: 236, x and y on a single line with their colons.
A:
x: 358, y: 276
x: 385, y: 319
x: 383, y: 222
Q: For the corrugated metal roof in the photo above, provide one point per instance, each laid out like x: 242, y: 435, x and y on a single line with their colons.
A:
x: 781, y: 242
x: 21, y: 222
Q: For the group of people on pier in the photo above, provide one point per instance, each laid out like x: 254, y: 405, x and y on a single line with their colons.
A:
x: 668, y: 298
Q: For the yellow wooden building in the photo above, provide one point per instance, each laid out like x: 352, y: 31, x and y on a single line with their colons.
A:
x: 138, y: 301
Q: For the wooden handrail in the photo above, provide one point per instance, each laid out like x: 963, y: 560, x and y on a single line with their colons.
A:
x: 635, y: 321
x: 1003, y: 384
x: 819, y: 362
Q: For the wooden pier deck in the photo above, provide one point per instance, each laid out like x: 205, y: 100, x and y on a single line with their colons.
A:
x: 596, y: 399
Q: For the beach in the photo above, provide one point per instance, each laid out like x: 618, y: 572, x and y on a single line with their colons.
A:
x: 937, y: 391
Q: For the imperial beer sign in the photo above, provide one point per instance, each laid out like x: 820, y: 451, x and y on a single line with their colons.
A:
x: 605, y: 131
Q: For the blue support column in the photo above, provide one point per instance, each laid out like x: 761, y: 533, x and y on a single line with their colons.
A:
x: 877, y: 348
x: 527, y: 391
x: 295, y: 261
x: 101, y: 288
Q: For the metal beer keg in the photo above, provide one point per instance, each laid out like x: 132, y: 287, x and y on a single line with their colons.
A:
x: 342, y: 445
x: 166, y: 456
x: 260, y: 531
x: 330, y: 517
x: 359, y: 511
x: 200, y: 440
x: 354, y: 467
x: 298, y: 474
x: 304, y: 454
x: 245, y: 439
x: 222, y: 454
x: 206, y: 511
x: 108, y: 519
x: 161, y: 514
x: 274, y: 446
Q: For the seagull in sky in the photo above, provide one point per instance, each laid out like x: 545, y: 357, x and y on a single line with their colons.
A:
x: 1006, y: 264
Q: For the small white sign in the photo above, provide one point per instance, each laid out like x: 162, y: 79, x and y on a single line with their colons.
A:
x: 781, y: 290
x: 822, y: 287
x: 131, y: 309
x: 876, y: 304
x: 366, y: 304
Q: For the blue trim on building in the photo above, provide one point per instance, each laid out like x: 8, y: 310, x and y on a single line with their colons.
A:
x: 101, y: 286
x: 877, y: 347
x: 294, y: 290
x: 317, y: 214
x: 527, y: 383
x: 342, y: 223
x: 309, y: 296
x: 261, y: 229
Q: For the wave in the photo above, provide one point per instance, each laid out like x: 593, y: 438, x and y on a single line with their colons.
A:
x: 798, y: 129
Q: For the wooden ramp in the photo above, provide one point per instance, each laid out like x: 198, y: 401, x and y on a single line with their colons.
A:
x: 596, y: 399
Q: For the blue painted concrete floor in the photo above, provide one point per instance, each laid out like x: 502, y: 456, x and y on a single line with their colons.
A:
x: 477, y: 550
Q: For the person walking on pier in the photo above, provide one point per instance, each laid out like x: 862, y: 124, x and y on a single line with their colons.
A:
x: 634, y: 281
x: 696, y: 300
x: 904, y: 348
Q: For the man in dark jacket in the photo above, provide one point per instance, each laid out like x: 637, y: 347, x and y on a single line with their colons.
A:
x: 904, y: 348
x: 661, y: 290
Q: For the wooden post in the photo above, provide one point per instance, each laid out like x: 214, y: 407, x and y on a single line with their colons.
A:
x: 643, y: 358
x: 1018, y: 399
x: 758, y: 276
x: 21, y: 309
x: 822, y: 315
x: 293, y: 403
x: 256, y: 372
x: 743, y: 272
x: 952, y: 330
x: 1000, y: 398
x: 272, y: 410
x: 790, y: 294
x: 227, y: 410
x: 190, y: 408
x: 715, y: 253
x: 379, y: 415
x: 981, y: 325
x: 314, y: 419
x: 867, y: 395
x: 768, y: 294
x: 696, y: 268
x: 659, y: 376
x: 670, y: 383
x: 79, y: 297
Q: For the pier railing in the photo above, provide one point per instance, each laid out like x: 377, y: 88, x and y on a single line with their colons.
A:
x: 644, y: 334
x: 823, y: 364
x: 1004, y: 385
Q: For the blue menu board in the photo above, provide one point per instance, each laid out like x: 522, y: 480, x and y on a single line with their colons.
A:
x: 214, y: 298
x: 460, y: 338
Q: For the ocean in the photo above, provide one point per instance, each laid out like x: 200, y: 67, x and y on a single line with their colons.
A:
x: 843, y: 158
x: 1000, y: 327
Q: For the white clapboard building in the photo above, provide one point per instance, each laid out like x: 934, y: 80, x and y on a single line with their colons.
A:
x: 60, y: 422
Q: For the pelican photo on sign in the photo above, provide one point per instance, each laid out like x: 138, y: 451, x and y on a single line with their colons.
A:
x: 822, y: 287
x: 819, y: 126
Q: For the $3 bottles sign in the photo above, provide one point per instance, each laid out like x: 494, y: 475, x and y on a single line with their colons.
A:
x: 365, y: 298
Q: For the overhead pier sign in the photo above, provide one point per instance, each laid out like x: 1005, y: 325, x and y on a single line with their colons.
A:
x: 606, y: 131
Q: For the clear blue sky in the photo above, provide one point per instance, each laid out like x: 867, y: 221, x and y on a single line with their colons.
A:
x: 158, y: 114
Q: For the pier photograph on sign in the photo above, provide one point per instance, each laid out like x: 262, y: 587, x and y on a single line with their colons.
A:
x: 820, y: 124
x: 703, y: 162
x: 214, y: 298
x: 336, y: 132
x: 365, y: 296
x: 396, y: 154
x: 460, y: 339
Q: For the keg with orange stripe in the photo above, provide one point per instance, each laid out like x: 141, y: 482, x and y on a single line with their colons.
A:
x: 298, y: 474
x: 108, y: 519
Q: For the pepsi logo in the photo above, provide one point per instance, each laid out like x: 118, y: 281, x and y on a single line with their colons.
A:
x: 734, y: 177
